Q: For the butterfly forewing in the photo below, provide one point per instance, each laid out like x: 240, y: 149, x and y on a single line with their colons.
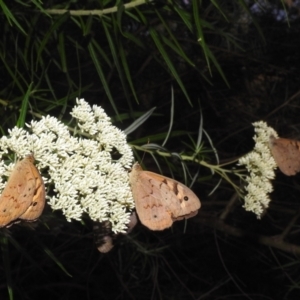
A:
x: 188, y: 207
x: 37, y: 204
x: 149, y: 206
x: 20, y: 193
x: 286, y: 153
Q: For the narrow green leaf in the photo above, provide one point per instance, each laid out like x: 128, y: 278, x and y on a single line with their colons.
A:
x: 171, y: 118
x: 216, y: 4
x: 114, y: 54
x: 49, y: 34
x: 168, y: 62
x: 62, y: 51
x: 11, y: 72
x: 59, y: 264
x: 38, y: 3
x: 24, y: 107
x: 138, y: 122
x: 217, y: 65
x: 10, y: 17
x: 177, y: 50
x: 176, y: 46
x: 127, y: 71
x: 200, y: 131
x: 200, y: 33
x: 185, y: 16
x: 101, y: 75
x: 130, y: 36
x: 102, y: 53
x: 156, y: 147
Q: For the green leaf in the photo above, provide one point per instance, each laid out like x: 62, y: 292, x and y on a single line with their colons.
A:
x: 171, y: 119
x: 10, y: 17
x: 24, y: 108
x: 101, y: 75
x: 168, y: 61
x: 49, y: 34
x: 138, y: 122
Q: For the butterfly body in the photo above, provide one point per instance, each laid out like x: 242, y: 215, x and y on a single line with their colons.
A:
x: 24, y: 194
x: 160, y: 200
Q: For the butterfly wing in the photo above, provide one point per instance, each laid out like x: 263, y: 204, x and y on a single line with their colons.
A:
x: 185, y: 205
x: 103, y: 236
x: 37, y: 204
x: 161, y: 200
x: 149, y: 205
x: 17, y: 194
x: 286, y: 153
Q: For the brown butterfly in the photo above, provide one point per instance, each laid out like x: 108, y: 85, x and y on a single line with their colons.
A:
x: 286, y: 153
x: 105, y: 238
x: 23, y: 197
x: 159, y: 200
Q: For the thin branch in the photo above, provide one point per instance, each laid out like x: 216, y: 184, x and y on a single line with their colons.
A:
x: 94, y: 12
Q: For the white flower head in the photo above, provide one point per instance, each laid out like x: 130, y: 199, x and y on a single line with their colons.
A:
x: 80, y: 170
x: 261, y: 166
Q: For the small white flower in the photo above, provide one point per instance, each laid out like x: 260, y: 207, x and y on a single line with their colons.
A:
x: 261, y: 166
x: 81, y: 175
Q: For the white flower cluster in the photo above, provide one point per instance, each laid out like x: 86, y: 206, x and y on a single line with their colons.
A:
x: 81, y: 171
x: 261, y: 165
